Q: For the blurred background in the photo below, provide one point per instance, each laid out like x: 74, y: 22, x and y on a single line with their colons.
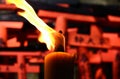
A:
x: 91, y: 29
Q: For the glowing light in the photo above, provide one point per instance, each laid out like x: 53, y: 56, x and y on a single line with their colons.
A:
x: 113, y: 18
x: 48, y: 35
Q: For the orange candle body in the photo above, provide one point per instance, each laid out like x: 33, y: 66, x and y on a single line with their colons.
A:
x: 59, y: 65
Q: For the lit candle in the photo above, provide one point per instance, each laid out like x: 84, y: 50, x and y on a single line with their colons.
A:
x: 59, y: 65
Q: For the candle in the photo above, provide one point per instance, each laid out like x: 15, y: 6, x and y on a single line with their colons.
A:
x: 59, y: 65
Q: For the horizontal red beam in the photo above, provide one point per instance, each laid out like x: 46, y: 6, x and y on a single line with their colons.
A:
x: 112, y: 18
x: 18, y: 53
x: 69, y: 16
x: 11, y: 24
x: 15, y: 68
x: 7, y: 7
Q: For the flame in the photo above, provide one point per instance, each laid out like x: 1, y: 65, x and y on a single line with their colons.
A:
x: 48, y: 35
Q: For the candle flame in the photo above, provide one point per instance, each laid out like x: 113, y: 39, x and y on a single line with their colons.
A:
x: 48, y: 35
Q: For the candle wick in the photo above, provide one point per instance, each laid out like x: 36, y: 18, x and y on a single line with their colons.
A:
x: 60, y: 31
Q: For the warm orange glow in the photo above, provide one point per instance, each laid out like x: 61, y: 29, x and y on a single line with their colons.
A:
x: 48, y: 35
x: 68, y: 16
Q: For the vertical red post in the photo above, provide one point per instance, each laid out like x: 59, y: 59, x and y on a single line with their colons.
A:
x: 3, y: 36
x: 61, y: 24
x: 22, y: 67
